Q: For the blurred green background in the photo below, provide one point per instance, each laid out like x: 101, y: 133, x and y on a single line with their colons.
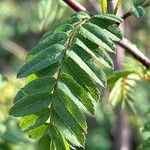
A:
x: 22, y: 23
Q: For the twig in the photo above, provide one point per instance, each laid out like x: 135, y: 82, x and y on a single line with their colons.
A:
x: 126, y: 44
x: 128, y: 14
x: 76, y: 6
x: 14, y: 48
x: 135, y: 52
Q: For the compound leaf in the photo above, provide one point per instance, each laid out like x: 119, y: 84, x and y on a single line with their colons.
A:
x: 64, y: 71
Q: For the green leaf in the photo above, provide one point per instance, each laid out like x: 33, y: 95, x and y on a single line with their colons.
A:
x: 60, y: 142
x: 146, y: 127
x: 31, y: 104
x: 96, y: 54
x: 65, y: 28
x: 70, y: 115
x: 93, y: 38
x: 48, y: 71
x: 145, y: 145
x: 42, y: 60
x: 113, y: 77
x: 105, y: 21
x: 83, y: 79
x: 122, y: 92
x: 11, y: 133
x: 45, y: 143
x: 27, y: 121
x: 42, y: 85
x: 78, y: 92
x: 34, y: 120
x: 138, y: 2
x: 64, y: 72
x: 62, y: 128
x: 117, y: 35
x: 38, y: 132
x: 56, y: 37
x: 84, y: 67
x: 138, y: 11
x: 97, y: 31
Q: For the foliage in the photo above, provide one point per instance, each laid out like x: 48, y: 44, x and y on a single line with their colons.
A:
x: 138, y: 2
x: 66, y: 65
x: 123, y: 84
x: 122, y: 92
x: 146, y: 128
x: 23, y: 22
x: 11, y: 138
x: 138, y: 10
x: 94, y: 138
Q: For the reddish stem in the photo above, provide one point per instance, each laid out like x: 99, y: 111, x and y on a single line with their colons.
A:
x: 76, y: 6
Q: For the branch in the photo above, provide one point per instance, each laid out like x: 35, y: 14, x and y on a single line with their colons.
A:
x: 126, y: 44
x: 76, y: 6
x: 135, y: 52
x: 128, y: 14
x: 14, y: 48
